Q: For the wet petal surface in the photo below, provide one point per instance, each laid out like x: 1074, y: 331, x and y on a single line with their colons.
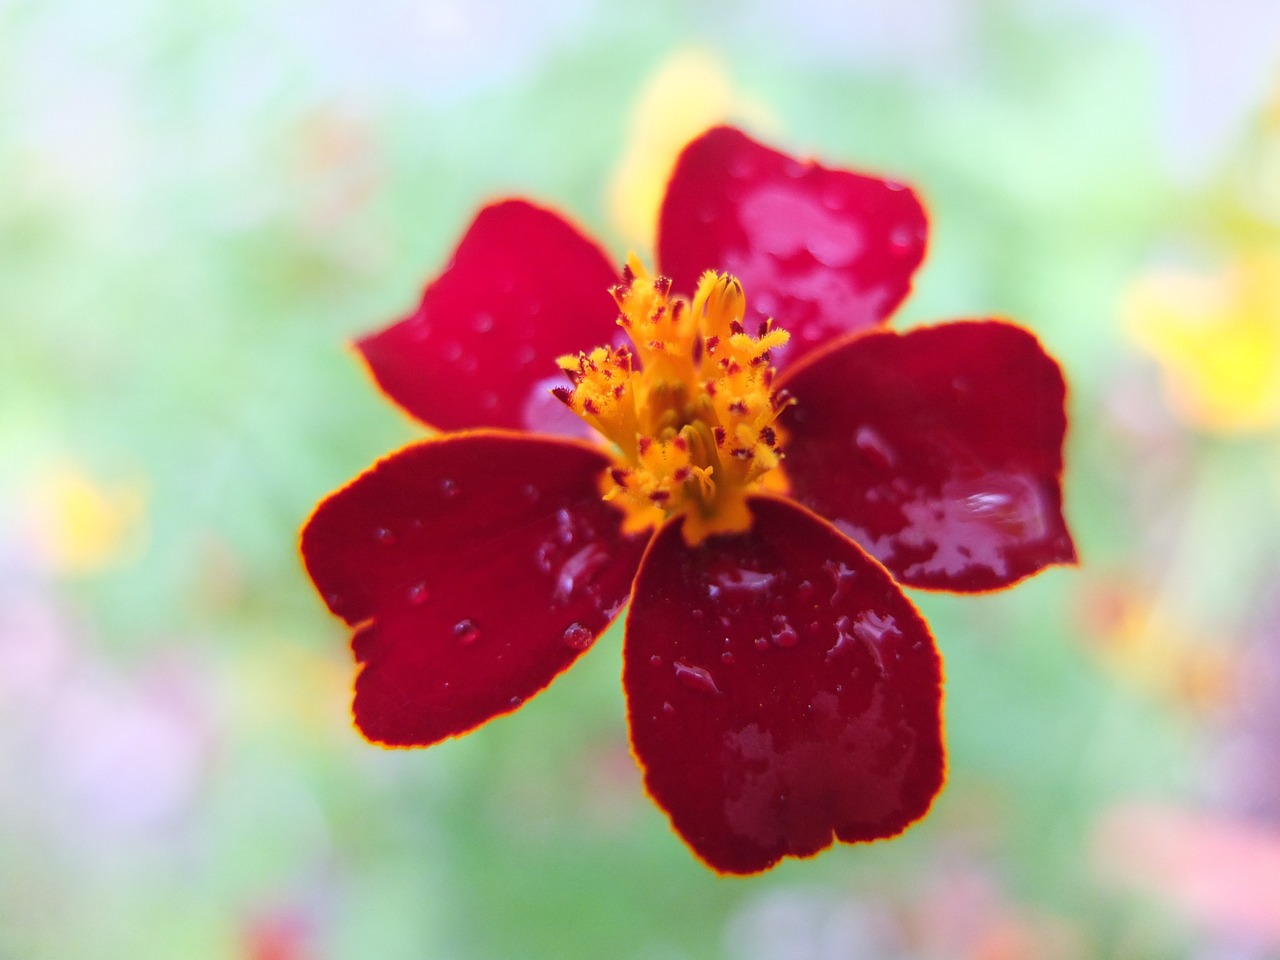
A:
x: 523, y: 288
x: 475, y: 569
x: 821, y: 251
x: 781, y: 691
x: 939, y: 450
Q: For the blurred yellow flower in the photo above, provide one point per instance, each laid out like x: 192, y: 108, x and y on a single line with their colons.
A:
x: 1143, y: 642
x: 1216, y: 338
x: 83, y: 526
x: 687, y: 94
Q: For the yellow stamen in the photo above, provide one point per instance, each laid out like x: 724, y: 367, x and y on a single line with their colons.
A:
x: 688, y: 409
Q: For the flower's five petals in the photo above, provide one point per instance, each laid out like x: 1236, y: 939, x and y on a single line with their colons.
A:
x: 939, y: 450
x: 523, y: 288
x: 781, y: 691
x: 824, y: 251
x: 476, y: 568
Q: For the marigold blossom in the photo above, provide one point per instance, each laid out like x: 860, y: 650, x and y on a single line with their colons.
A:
x: 782, y: 691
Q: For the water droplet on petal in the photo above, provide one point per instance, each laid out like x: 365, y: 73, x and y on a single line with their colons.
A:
x: 655, y: 661
x: 695, y: 678
x: 578, y: 637
x: 466, y: 631
x: 762, y: 643
x: 515, y: 701
x: 668, y: 709
x: 835, y: 197
x: 448, y: 488
x: 784, y: 635
x: 842, y: 577
x: 727, y: 657
x: 902, y: 240
x: 483, y: 323
x: 418, y: 593
x: 384, y: 536
x: 524, y: 356
x: 874, y: 448
x: 742, y: 166
x: 531, y: 493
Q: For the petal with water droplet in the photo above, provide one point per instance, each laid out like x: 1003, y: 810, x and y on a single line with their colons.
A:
x: 523, y: 288
x: 824, y: 252
x: 793, y: 745
x: 939, y: 450
x: 468, y: 612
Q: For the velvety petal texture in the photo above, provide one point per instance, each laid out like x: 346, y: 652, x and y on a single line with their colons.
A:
x: 476, y: 568
x: 523, y: 288
x: 781, y: 691
x: 823, y: 252
x: 939, y: 450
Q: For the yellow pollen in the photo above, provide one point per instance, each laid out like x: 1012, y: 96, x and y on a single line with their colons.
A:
x: 687, y: 408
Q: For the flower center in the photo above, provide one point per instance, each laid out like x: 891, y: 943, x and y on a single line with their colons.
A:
x: 688, y: 407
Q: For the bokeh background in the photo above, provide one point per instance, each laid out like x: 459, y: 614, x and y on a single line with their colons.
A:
x: 202, y: 202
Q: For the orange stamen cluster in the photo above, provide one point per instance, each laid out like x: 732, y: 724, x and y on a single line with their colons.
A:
x: 688, y: 408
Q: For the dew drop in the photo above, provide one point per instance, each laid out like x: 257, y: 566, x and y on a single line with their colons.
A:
x: 655, y: 661
x: 531, y: 493
x: 784, y: 635
x: 668, y: 709
x: 483, y: 323
x: 525, y: 356
x: 805, y: 591
x: 515, y: 701
x: 902, y: 240
x: 448, y: 488
x: 695, y: 678
x: 489, y: 400
x: 466, y: 631
x: 578, y: 637
x: 842, y: 578
x: 762, y: 643
x: 418, y: 593
x: 727, y: 657
x: 874, y: 448
x: 384, y: 536
x: 741, y: 167
x: 895, y: 185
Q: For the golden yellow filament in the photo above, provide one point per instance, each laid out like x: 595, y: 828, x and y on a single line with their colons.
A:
x: 688, y: 408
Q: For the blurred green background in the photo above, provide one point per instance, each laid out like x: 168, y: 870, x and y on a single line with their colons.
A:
x: 201, y: 203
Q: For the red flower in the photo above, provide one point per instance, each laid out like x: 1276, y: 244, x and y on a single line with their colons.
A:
x: 781, y: 690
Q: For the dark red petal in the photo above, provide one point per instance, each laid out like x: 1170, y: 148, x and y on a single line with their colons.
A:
x: 821, y: 251
x: 939, y: 450
x: 477, y: 567
x: 780, y: 690
x: 523, y: 288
